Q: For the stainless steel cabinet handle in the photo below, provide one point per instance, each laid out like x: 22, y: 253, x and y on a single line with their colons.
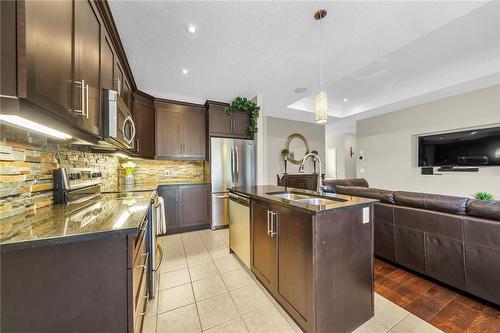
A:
x: 273, y: 223
x: 82, y: 98
x: 268, y: 222
x: 119, y: 86
x: 87, y: 100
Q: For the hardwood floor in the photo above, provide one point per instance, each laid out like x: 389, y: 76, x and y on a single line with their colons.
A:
x: 447, y: 309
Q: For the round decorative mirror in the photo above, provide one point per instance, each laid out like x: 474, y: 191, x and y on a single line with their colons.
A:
x: 298, y: 147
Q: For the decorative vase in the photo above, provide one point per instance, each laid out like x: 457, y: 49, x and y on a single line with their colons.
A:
x: 129, y: 179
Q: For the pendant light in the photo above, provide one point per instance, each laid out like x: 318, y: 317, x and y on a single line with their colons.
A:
x: 321, y: 100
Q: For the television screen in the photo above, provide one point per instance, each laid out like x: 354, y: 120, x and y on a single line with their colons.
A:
x: 468, y: 148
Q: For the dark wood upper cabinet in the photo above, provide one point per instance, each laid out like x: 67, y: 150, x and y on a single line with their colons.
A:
x: 144, y: 118
x: 45, y: 60
x: 86, y: 84
x: 240, y: 124
x: 180, y: 131
x: 107, y: 63
x: 221, y: 124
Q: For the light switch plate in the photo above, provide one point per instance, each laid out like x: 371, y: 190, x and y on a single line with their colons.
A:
x: 167, y: 172
x: 362, y: 170
x: 366, y: 215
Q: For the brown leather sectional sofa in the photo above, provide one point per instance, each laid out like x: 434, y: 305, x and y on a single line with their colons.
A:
x: 451, y: 239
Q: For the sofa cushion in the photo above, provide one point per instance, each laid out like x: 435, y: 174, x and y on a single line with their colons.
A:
x: 485, y: 209
x: 373, y: 193
x: 437, y: 202
x: 330, y: 185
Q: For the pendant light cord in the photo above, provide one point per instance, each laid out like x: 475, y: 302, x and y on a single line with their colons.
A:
x: 320, y: 56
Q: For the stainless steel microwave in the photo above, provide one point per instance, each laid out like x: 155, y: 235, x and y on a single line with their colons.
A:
x: 119, y: 127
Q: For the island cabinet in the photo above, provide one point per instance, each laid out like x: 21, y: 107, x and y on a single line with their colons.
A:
x: 318, y: 267
x: 186, y: 207
x: 221, y: 124
x: 180, y: 131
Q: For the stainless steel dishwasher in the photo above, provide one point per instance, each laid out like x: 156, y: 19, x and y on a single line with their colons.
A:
x: 239, y: 227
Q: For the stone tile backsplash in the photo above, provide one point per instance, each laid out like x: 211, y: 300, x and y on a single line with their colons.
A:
x: 27, y: 161
x: 154, y: 172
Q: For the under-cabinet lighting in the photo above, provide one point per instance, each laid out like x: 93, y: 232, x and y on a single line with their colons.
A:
x: 36, y: 127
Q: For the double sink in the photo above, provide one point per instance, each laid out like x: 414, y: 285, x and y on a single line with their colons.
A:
x: 306, y: 198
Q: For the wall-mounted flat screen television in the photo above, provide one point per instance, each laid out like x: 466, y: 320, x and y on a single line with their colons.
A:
x: 479, y: 147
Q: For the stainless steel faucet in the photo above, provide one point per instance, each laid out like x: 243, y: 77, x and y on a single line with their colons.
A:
x: 319, y: 186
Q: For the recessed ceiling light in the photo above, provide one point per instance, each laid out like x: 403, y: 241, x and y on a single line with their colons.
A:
x: 192, y: 29
x: 185, y: 71
x: 345, y: 100
x: 300, y: 90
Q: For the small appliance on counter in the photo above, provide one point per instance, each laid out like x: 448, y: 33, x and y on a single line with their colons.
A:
x: 232, y: 164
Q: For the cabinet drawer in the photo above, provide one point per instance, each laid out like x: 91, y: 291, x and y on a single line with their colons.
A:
x: 139, y: 277
x: 142, y: 300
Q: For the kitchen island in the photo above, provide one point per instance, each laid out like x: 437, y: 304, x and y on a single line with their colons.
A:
x: 314, y: 254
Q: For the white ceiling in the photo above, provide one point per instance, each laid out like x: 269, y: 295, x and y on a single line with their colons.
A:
x: 380, y: 55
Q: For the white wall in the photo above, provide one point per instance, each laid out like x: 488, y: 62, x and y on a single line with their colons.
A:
x: 278, y: 130
x: 345, y: 163
x: 389, y: 143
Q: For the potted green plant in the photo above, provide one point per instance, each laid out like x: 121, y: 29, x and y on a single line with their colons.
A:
x: 484, y: 196
x: 284, y: 154
x: 246, y: 105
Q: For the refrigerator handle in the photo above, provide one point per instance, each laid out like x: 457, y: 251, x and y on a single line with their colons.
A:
x: 232, y: 166
x: 236, y: 164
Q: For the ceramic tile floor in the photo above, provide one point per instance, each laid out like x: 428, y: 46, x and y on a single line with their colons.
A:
x: 203, y: 288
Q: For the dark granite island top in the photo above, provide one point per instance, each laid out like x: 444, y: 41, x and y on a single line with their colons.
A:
x: 338, y: 201
x: 109, y: 215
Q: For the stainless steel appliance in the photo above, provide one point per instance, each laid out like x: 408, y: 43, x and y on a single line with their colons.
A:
x: 119, y: 127
x: 232, y: 164
x: 239, y: 226
x: 76, y: 186
x: 154, y: 248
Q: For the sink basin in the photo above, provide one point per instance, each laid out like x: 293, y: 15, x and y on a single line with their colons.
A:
x: 305, y: 198
x: 315, y: 201
x: 289, y: 195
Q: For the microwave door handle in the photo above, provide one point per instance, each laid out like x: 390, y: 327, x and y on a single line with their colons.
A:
x: 129, y: 140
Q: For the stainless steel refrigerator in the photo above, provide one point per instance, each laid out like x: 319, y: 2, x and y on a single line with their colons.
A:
x: 232, y: 164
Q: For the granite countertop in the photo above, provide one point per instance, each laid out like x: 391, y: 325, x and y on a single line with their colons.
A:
x: 144, y: 187
x: 262, y: 192
x: 109, y: 215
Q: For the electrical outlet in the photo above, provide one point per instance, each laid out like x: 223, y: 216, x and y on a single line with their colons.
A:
x: 167, y: 172
x: 362, y: 170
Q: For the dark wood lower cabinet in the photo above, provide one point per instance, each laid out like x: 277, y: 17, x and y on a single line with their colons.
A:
x: 186, y: 206
x: 95, y: 285
x: 319, y: 268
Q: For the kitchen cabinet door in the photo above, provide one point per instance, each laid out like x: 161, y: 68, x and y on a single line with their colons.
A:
x: 193, y: 206
x: 118, y: 77
x: 86, y: 84
x: 49, y: 37
x: 240, y: 124
x: 220, y: 123
x: 170, y: 197
x: 107, y: 63
x: 168, y: 133
x: 194, y: 135
x: 263, y: 247
x: 144, y: 117
x: 294, y: 287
